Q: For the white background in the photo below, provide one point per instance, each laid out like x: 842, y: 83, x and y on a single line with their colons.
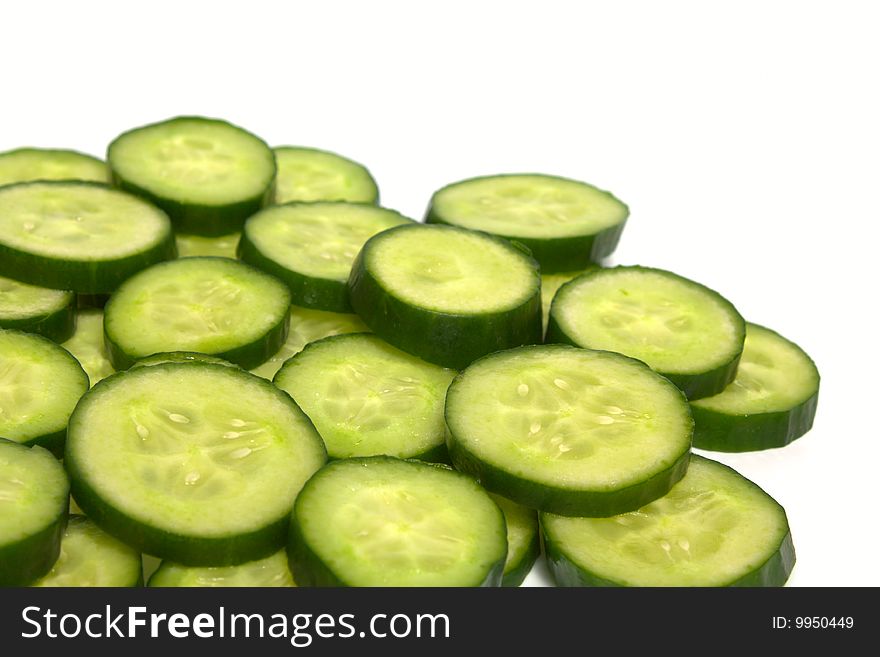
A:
x: 743, y: 135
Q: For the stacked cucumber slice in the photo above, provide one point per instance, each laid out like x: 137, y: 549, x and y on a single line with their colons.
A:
x: 257, y: 375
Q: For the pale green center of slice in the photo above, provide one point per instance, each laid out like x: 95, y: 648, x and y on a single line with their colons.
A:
x: 19, y: 300
x: 675, y: 326
x: 195, y: 161
x: 450, y: 270
x: 193, y: 304
x: 309, y: 175
x: 400, y: 524
x: 570, y: 418
x: 367, y: 398
x: 529, y: 206
x: 78, y: 222
x: 774, y: 375
x: 197, y: 449
x: 196, y: 245
x: 33, y: 491
x: 271, y: 571
x: 319, y: 240
x: 87, y: 344
x: 39, y: 386
x: 89, y: 557
x: 37, y: 164
x: 308, y: 325
x: 711, y: 529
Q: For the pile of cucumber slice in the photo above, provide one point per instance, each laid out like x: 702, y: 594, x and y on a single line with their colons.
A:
x: 228, y: 361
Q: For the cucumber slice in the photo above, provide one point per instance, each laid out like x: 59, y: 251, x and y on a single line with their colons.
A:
x: 550, y: 284
x: 523, y: 541
x: 269, y: 572
x: 40, y: 383
x: 308, y: 174
x: 381, y: 521
x: 87, y: 344
x: 192, y: 462
x: 688, y: 333
x: 367, y: 398
x: 566, y: 224
x: 572, y: 431
x: 24, y: 307
x: 714, y: 528
x: 29, y: 164
x: 80, y: 236
x: 445, y: 294
x: 215, y: 306
x: 223, y: 246
x: 207, y: 174
x: 33, y: 512
x: 311, y: 247
x: 771, y: 402
x: 89, y: 557
x: 181, y: 357
x: 308, y: 325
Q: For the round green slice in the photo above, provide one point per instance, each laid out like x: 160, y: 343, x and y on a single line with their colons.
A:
x: 78, y: 236
x: 550, y: 284
x: 87, y: 344
x: 309, y: 174
x: 308, y: 325
x: 181, y: 357
x: 445, y: 294
x: 572, y: 431
x: 565, y: 223
x: 207, y: 174
x: 271, y: 571
x: 33, y: 512
x: 29, y: 164
x: 223, y: 246
x: 215, y: 306
x: 523, y: 540
x: 688, y: 333
x: 40, y: 383
x: 382, y: 521
x: 771, y: 402
x: 311, y: 247
x: 50, y: 313
x: 193, y: 462
x: 367, y: 398
x: 90, y: 557
x: 714, y: 528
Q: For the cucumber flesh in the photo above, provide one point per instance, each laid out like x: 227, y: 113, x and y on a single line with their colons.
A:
x: 523, y: 542
x: 194, y: 462
x: 771, y: 402
x: 311, y: 246
x: 682, y: 329
x: 208, y: 175
x: 181, y: 357
x: 223, y: 246
x: 367, y: 398
x: 89, y: 557
x: 565, y: 223
x: 78, y: 235
x: 272, y: 571
x: 308, y: 325
x: 550, y: 284
x: 308, y: 174
x: 47, y: 312
x: 573, y: 431
x: 33, y: 512
x: 714, y: 528
x: 87, y: 344
x: 40, y: 383
x: 445, y: 294
x: 381, y: 521
x: 29, y: 164
x: 215, y: 306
